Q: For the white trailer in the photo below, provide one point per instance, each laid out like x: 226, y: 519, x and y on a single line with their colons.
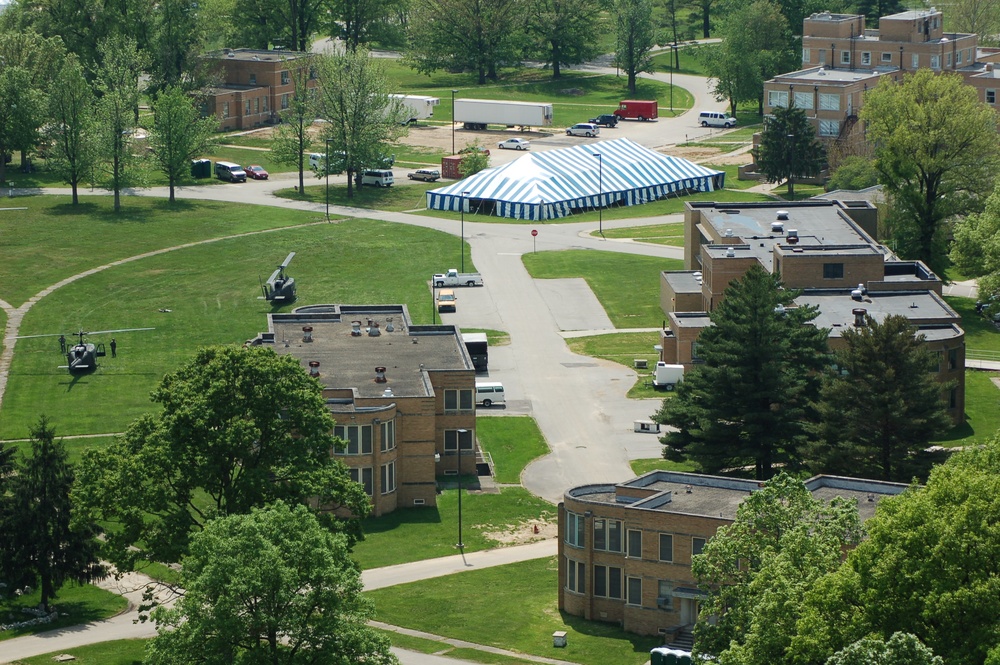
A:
x: 478, y: 113
x: 667, y: 376
x: 418, y: 107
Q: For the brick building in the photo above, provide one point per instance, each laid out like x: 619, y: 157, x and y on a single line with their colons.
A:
x: 255, y: 85
x: 402, y: 395
x: 825, y: 248
x: 842, y: 59
x: 625, y: 549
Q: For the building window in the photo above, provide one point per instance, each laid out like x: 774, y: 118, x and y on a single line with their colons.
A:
x: 388, y: 437
x: 284, y: 101
x: 947, y: 60
x: 866, y: 57
x: 991, y: 96
x: 829, y: 102
x: 952, y: 358
x: 256, y: 105
x: 829, y: 127
x: 608, y: 535
x: 665, y: 595
x: 312, y: 73
x: 635, y: 543
x: 777, y: 98
x: 574, y: 529
x: 666, y: 547
x: 804, y: 100
x: 246, y: 107
x: 805, y: 55
x: 935, y: 62
x: 822, y: 56
x: 886, y: 57
x: 833, y: 271
x: 458, y: 400
x: 575, y: 576
x: 608, y: 582
x: 363, y: 475
x: 388, y: 478
x: 455, y: 439
x: 357, y: 439
x: 915, y: 60
x: 264, y: 104
x: 845, y: 57
x: 697, y: 545
x: 286, y: 78
x: 694, y: 352
x: 225, y: 109
x: 634, y: 591
x: 253, y: 78
x: 958, y: 57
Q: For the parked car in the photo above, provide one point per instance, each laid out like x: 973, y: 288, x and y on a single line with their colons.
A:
x: 606, y: 120
x: 427, y: 175
x: 716, y: 119
x: 475, y: 147
x: 583, y: 129
x: 514, y: 144
x: 256, y: 172
x: 446, y: 300
x: 377, y: 177
x: 230, y: 172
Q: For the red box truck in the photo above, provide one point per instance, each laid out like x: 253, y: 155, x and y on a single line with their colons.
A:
x: 640, y: 109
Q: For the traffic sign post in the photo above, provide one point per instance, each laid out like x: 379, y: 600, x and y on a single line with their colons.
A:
x: 534, y: 234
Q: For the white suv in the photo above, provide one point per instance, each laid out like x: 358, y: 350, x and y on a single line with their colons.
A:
x: 583, y: 129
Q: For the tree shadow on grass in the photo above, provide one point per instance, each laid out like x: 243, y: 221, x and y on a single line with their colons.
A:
x: 640, y: 643
x: 72, y: 616
x: 427, y: 515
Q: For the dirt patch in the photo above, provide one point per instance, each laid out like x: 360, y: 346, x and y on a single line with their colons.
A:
x: 703, y: 155
x: 530, y: 531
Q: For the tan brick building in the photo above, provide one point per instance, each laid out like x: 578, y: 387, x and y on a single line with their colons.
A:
x: 402, y: 395
x: 255, y: 85
x: 825, y: 248
x: 625, y: 549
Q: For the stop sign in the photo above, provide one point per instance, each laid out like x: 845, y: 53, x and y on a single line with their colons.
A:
x: 534, y: 232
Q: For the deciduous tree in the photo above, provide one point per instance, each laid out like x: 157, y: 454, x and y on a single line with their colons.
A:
x: 179, y: 134
x: 634, y: 38
x: 292, y: 138
x: 880, y: 405
x: 976, y: 250
x: 71, y: 109
x: 563, y: 34
x: 937, y: 153
x: 978, y: 17
x: 48, y: 545
x: 22, y: 111
x: 747, y: 402
x: 271, y: 587
x: 900, y: 649
x: 789, y: 147
x: 758, y: 569
x: 239, y: 428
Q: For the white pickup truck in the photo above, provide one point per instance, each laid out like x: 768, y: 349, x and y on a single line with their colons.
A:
x: 455, y: 278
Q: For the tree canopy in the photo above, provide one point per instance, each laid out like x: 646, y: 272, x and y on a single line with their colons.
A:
x: 976, y: 250
x: 789, y: 147
x: 634, y: 38
x: 880, y: 404
x: 747, y: 401
x: 179, y: 133
x: 239, y: 428
x: 272, y: 586
x: 937, y: 153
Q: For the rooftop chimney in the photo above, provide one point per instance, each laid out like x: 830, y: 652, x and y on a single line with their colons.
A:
x: 380, y: 375
x: 313, y: 368
x: 307, y: 333
x: 859, y: 316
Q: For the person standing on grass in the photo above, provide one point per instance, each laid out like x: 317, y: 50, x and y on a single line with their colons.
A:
x: 114, y: 348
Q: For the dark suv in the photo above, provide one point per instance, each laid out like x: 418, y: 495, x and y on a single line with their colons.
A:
x: 606, y: 120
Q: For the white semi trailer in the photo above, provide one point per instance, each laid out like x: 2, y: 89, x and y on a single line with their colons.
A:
x: 418, y: 107
x: 478, y: 113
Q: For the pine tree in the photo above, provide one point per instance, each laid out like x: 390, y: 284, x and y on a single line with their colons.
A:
x: 747, y: 403
x: 49, y: 550
x: 881, y: 405
x: 789, y: 148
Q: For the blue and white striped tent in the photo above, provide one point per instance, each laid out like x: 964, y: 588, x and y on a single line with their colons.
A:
x: 551, y: 184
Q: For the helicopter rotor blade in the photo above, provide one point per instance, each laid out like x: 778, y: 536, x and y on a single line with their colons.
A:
x: 85, y: 332
x: 46, y: 335
x: 104, y: 332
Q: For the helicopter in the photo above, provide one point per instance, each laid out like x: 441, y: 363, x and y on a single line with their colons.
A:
x: 81, y: 358
x: 279, y: 286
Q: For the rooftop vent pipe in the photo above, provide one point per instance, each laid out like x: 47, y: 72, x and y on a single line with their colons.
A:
x: 730, y: 253
x: 380, y: 375
x: 373, y: 330
x: 307, y: 333
x: 313, y: 368
x: 782, y: 214
x: 355, y: 329
x: 859, y: 316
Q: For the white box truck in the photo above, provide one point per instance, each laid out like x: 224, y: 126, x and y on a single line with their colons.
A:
x: 418, y: 107
x: 478, y: 113
x: 666, y: 377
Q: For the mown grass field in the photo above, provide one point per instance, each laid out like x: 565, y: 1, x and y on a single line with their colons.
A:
x: 513, y: 442
x: 409, y: 197
x: 76, y: 604
x: 116, y: 652
x: 659, y: 234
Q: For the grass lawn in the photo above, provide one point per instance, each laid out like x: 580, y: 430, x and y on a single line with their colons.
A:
x: 575, y: 97
x: 75, y: 447
x: 982, y: 411
x: 397, y: 199
x: 422, y: 645
x: 691, y: 59
x: 980, y: 334
x: 660, y: 234
x: 117, y: 652
x: 624, y: 348
x: 513, y: 442
x: 212, y: 293
x: 416, y: 534
x: 80, y: 603
x: 733, y: 176
x: 670, y: 206
x: 515, y: 608
x: 636, y: 305
x: 641, y: 466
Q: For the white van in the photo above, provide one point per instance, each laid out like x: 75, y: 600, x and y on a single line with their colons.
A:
x: 377, y: 177
x: 715, y: 119
x: 231, y: 172
x: 489, y: 393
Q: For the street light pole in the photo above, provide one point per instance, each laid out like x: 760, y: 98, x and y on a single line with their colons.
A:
x: 461, y: 247
x: 453, y: 91
x: 328, y: 180
x: 460, y: 433
x: 673, y: 63
x: 600, y: 193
